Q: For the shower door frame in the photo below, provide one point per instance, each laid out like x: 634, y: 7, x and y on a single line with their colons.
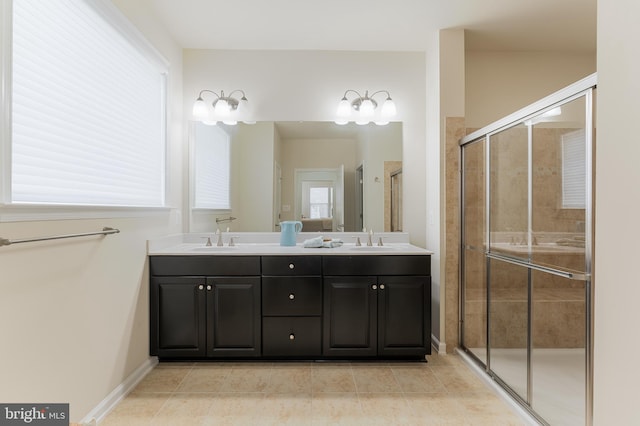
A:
x: 583, y: 88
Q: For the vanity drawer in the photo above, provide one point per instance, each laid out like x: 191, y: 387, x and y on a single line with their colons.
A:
x: 291, y: 265
x: 291, y: 296
x: 204, y: 265
x: 291, y: 336
x: 377, y: 265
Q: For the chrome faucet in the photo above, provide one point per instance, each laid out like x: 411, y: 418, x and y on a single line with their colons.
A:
x: 369, y: 240
x: 220, y: 243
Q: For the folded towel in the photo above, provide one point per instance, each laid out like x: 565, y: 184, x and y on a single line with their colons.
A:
x: 313, y: 242
x: 332, y: 243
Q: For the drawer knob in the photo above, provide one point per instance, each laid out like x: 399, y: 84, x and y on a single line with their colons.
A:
x: 209, y: 287
x: 200, y: 287
x: 375, y: 287
x: 381, y: 286
x: 292, y: 336
x: 291, y: 266
x: 292, y: 296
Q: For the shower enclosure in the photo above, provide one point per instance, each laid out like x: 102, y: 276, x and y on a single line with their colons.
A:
x: 526, y: 253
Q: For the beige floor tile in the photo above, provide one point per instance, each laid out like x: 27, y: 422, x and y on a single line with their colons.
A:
x: 187, y: 404
x: 336, y: 379
x: 285, y: 408
x: 434, y: 406
x: 442, y: 392
x: 166, y: 379
x: 458, y: 379
x: 203, y: 380
x: 385, y: 406
x: 335, y: 406
x: 375, y: 380
x: 289, y: 380
x: 247, y: 379
x: 236, y: 404
x: 412, y: 379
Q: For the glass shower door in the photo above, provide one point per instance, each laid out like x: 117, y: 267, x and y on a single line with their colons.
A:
x: 559, y: 198
x: 508, y: 282
x: 474, y: 287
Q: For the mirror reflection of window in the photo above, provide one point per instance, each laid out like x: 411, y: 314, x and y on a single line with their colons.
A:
x: 317, y: 200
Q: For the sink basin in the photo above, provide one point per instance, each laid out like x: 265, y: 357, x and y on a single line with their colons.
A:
x: 214, y: 248
x: 372, y: 248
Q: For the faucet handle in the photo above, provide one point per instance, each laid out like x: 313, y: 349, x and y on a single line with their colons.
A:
x: 231, y: 241
x: 208, y: 244
x: 358, y: 243
x: 380, y: 241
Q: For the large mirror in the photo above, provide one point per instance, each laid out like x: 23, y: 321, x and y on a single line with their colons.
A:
x: 330, y: 177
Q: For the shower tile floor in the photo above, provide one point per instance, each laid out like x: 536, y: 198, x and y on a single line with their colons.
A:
x: 443, y: 391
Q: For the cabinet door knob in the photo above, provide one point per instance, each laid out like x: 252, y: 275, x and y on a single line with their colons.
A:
x: 381, y: 286
x: 292, y: 336
x: 200, y: 287
x: 375, y: 287
x: 292, y: 296
x: 291, y: 266
x: 209, y: 287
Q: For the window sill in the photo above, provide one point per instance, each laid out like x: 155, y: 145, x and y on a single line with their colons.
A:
x: 41, y: 212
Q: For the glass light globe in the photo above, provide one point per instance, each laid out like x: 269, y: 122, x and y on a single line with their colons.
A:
x: 344, y: 108
x: 222, y: 108
x: 388, y: 109
x: 200, y: 109
x: 230, y: 122
x: 367, y: 110
x: 381, y: 123
x: 341, y: 121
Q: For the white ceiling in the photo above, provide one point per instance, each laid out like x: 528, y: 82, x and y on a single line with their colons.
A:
x: 381, y: 25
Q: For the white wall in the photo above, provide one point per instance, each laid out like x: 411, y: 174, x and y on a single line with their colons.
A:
x: 74, y: 313
x: 616, y: 286
x: 307, y: 86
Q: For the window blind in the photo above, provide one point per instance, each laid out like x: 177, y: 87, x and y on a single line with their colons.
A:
x: 573, y: 170
x: 88, y: 110
x: 211, y: 159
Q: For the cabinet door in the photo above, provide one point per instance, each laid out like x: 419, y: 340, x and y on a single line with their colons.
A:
x: 177, y: 317
x: 404, y: 306
x: 233, y: 317
x: 349, y: 327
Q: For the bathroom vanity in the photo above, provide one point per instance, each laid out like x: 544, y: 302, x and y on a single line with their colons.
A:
x: 263, y: 301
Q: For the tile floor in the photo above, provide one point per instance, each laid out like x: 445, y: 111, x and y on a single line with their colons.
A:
x: 443, y: 391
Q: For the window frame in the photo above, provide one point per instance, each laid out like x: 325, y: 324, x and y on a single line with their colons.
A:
x: 14, y: 211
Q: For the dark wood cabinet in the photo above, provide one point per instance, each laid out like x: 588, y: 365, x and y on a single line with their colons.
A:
x: 313, y: 307
x: 350, y: 314
x: 194, y: 317
x: 233, y: 317
x: 377, y: 315
x: 292, y: 306
x: 178, y: 315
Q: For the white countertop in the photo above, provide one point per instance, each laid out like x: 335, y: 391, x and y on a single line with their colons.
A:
x: 268, y: 243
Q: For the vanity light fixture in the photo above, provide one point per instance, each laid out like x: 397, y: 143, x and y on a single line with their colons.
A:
x: 363, y: 109
x: 227, y: 109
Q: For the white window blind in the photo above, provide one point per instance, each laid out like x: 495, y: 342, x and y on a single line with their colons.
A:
x: 87, y: 108
x: 211, y: 160
x: 573, y: 170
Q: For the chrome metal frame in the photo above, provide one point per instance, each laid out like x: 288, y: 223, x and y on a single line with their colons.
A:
x: 583, y: 88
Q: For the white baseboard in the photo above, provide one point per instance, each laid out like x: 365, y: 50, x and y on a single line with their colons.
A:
x: 110, y: 401
x: 438, y: 346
